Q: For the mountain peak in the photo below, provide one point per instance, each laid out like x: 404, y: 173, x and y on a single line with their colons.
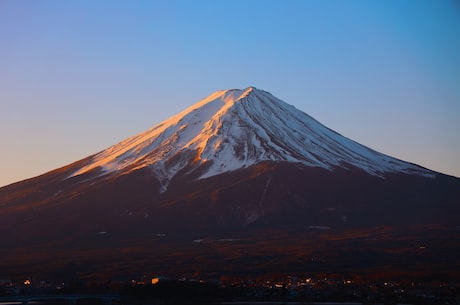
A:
x: 235, y: 95
x: 238, y: 128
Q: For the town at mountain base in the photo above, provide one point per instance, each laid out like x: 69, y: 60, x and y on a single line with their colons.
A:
x: 226, y: 188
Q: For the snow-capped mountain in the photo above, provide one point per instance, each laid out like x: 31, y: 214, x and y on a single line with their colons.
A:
x: 234, y: 129
x: 239, y: 179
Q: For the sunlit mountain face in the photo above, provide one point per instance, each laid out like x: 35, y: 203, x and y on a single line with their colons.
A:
x: 235, y: 129
x: 239, y: 183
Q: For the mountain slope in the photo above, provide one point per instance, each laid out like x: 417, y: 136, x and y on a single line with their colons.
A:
x: 235, y: 129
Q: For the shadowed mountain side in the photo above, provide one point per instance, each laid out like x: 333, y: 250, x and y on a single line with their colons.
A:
x: 125, y: 225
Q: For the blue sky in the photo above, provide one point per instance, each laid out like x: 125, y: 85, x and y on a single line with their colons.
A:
x: 79, y: 76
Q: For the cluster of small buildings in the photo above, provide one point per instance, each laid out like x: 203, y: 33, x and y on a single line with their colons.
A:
x: 29, y: 286
x: 350, y: 289
x: 271, y: 288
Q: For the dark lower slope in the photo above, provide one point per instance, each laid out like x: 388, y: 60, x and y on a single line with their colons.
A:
x: 268, y: 218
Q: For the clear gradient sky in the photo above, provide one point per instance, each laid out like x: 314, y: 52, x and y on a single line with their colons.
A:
x: 79, y: 76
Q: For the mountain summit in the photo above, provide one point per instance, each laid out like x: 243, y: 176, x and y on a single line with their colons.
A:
x: 238, y: 183
x: 234, y: 129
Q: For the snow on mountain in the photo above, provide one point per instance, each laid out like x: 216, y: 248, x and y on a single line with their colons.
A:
x: 233, y: 129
